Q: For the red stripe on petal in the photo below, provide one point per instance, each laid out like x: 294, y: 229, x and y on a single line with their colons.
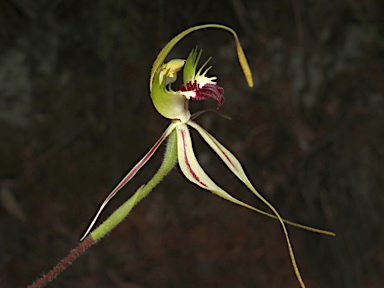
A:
x: 137, y: 167
x: 229, y: 160
x: 187, y: 161
x: 226, y: 156
x: 221, y: 150
x: 129, y: 176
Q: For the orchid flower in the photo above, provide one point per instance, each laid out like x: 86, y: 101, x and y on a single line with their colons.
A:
x: 174, y: 105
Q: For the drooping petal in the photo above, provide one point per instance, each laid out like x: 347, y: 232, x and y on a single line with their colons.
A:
x: 169, y: 161
x: 130, y: 174
x: 228, y: 158
x: 193, y: 171
x: 234, y: 165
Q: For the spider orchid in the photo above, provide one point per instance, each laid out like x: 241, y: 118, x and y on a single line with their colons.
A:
x: 174, y: 105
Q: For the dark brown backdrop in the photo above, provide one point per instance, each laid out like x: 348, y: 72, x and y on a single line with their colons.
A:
x: 75, y: 115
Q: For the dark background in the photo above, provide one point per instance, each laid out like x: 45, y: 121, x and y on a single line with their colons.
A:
x: 75, y: 116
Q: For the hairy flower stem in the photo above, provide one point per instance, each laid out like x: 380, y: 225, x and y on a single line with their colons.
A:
x: 64, y: 263
x: 170, y: 159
